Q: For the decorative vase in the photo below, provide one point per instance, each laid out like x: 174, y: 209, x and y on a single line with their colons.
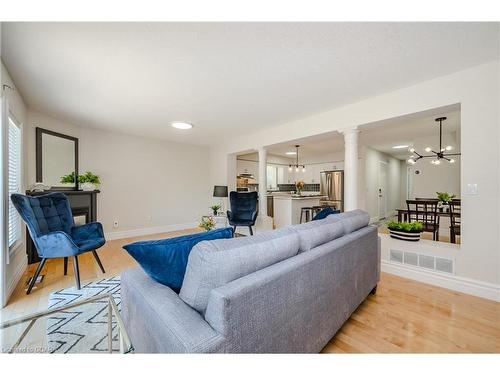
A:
x: 215, y: 212
x: 88, y: 186
x: 298, y: 191
x: 405, y: 236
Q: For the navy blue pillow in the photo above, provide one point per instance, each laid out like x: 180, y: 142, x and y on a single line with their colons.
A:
x: 165, y: 260
x: 324, y: 213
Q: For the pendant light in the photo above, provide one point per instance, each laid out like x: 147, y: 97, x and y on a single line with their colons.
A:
x: 297, y: 166
x: 436, y: 156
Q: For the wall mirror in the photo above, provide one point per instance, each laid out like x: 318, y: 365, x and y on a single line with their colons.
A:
x: 56, y: 156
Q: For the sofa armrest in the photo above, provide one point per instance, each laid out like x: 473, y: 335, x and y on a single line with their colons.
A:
x: 158, y: 321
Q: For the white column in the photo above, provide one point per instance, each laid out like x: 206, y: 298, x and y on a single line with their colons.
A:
x: 264, y: 222
x: 262, y: 181
x: 350, y: 169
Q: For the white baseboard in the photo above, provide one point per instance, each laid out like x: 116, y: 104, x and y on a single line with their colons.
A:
x: 147, y: 231
x: 453, y: 282
x: 16, y: 277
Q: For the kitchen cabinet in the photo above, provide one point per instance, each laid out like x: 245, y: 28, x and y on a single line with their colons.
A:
x: 245, y: 166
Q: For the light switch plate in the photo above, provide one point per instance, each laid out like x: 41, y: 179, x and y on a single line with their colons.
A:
x: 471, y: 189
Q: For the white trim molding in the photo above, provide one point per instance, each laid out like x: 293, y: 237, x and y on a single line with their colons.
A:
x: 148, y: 231
x: 16, y: 278
x: 460, y: 284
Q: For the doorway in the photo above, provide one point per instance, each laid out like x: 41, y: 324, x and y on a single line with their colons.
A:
x: 382, y: 190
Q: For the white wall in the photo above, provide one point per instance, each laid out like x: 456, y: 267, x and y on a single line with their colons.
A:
x: 144, y: 182
x: 18, y: 260
x: 477, y: 92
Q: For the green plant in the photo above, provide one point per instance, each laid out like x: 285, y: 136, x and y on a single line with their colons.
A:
x: 445, y: 197
x: 413, y: 227
x: 207, y: 223
x: 89, y: 177
x: 68, y: 179
x: 215, y: 208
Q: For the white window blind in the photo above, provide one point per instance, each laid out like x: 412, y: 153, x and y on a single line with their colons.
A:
x: 14, y: 181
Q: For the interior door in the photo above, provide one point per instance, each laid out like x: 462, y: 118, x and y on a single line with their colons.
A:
x: 382, y: 190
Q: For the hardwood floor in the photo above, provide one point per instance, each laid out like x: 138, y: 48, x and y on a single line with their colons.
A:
x: 403, y: 317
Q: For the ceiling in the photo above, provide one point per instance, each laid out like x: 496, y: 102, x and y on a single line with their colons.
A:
x: 228, y: 79
x: 381, y: 136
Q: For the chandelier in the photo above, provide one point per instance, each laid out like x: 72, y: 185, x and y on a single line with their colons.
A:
x: 436, y: 156
x: 296, y: 165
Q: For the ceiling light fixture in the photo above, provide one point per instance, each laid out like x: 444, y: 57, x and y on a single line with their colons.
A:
x: 181, y: 125
x: 437, y: 155
x: 400, y: 146
x: 291, y: 153
x: 296, y: 165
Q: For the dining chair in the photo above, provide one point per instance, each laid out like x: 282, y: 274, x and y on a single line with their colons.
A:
x: 50, y: 223
x: 455, y: 219
x: 424, y: 211
x: 244, y: 210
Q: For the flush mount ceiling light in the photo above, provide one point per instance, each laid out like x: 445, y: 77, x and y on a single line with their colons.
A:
x: 436, y: 155
x: 291, y: 153
x: 400, y: 146
x: 296, y: 165
x: 181, y: 125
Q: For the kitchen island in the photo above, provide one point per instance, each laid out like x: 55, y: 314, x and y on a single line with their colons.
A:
x: 287, y: 207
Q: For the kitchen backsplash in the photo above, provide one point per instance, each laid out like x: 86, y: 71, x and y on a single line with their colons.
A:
x: 291, y: 187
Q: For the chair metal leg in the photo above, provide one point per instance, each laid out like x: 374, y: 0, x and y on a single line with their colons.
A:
x: 98, y: 261
x: 65, y: 266
x: 37, y: 272
x: 234, y: 230
x: 77, y: 271
x: 251, y: 230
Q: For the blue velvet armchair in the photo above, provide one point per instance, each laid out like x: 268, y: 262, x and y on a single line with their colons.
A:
x: 243, y: 210
x: 52, y: 228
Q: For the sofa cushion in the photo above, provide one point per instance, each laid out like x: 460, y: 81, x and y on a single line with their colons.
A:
x: 324, y: 213
x: 351, y: 220
x: 216, y: 263
x: 316, y: 233
x: 165, y: 260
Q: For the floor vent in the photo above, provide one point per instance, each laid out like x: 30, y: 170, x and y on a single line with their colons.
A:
x: 428, y: 262
x: 396, y: 256
x: 411, y: 258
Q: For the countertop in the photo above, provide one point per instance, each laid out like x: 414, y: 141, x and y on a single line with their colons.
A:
x: 297, y: 197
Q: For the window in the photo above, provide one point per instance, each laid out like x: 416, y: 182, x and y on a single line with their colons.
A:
x: 14, y: 147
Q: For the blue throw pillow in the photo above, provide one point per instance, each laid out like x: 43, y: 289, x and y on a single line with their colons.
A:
x: 165, y: 260
x: 324, y: 213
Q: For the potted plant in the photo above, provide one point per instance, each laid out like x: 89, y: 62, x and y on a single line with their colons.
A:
x: 215, y: 208
x: 207, y: 223
x: 444, y: 199
x: 299, y: 185
x: 89, y: 181
x: 405, y: 231
x: 68, y: 179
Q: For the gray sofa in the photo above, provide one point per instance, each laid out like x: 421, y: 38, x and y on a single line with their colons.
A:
x: 284, y: 291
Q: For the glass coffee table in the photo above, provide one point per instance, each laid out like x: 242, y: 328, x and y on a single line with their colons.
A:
x: 92, y: 325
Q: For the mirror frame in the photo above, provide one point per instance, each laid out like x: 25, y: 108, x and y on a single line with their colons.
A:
x: 39, y: 156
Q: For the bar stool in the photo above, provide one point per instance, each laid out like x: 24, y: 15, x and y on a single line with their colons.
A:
x: 308, y: 213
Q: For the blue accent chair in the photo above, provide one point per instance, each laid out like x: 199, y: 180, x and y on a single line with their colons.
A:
x: 52, y: 228
x: 243, y: 210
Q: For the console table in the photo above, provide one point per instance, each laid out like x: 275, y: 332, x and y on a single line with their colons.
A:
x: 83, y: 203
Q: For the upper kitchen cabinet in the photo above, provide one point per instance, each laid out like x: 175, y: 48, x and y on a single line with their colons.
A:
x: 247, y: 167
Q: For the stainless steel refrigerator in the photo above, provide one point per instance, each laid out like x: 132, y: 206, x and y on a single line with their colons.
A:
x: 332, y: 188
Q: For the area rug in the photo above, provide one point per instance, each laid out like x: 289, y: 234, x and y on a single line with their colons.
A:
x: 83, y: 329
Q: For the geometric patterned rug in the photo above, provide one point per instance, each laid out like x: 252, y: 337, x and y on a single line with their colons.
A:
x: 83, y: 328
